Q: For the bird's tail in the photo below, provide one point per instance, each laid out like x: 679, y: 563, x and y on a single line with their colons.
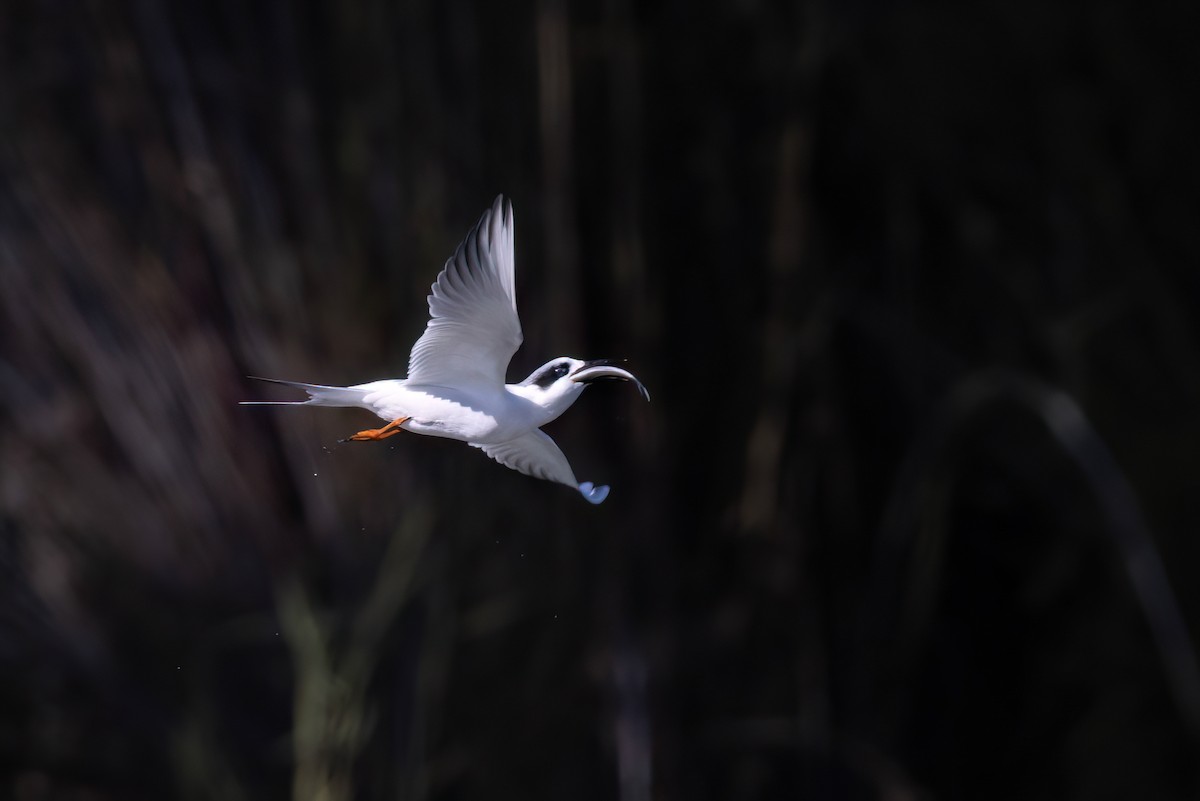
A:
x: 318, y: 395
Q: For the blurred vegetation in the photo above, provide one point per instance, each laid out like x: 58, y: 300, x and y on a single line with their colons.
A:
x: 913, y: 513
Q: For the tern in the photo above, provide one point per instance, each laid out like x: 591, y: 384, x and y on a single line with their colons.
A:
x: 456, y: 371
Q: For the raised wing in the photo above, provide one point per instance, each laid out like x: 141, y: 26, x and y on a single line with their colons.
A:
x: 535, y: 454
x: 473, y: 328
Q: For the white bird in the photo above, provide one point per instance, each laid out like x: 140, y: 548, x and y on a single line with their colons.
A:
x: 455, y: 386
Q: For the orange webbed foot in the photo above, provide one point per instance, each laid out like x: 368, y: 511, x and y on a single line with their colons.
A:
x: 375, y: 434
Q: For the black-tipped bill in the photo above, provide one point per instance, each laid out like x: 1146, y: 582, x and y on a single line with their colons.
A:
x: 601, y: 369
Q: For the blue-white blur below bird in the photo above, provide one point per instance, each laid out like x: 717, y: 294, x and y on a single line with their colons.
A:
x: 455, y: 386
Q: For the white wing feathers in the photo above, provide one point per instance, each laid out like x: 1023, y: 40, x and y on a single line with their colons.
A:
x: 533, y: 454
x: 473, y: 328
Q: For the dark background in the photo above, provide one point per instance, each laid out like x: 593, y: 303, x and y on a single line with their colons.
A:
x: 913, y: 513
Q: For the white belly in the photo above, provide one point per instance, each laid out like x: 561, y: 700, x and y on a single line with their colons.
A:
x: 441, y: 412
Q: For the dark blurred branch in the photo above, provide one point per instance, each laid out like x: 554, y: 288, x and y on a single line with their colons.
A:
x: 561, y: 270
x: 333, y: 711
x: 921, y: 501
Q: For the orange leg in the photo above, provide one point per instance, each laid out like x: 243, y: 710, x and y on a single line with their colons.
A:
x: 372, y: 434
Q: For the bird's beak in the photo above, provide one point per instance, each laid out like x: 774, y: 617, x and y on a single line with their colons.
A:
x: 599, y: 369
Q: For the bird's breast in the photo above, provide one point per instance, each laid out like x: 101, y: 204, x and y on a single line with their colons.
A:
x: 453, y: 414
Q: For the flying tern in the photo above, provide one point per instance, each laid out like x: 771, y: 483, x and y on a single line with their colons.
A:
x: 456, y: 370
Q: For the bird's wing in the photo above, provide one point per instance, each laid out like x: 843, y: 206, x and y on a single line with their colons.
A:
x: 473, y: 328
x: 533, y: 454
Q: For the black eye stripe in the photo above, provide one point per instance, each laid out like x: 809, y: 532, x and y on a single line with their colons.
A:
x: 552, y: 374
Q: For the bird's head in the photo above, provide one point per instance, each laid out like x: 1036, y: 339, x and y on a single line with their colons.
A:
x: 557, y: 383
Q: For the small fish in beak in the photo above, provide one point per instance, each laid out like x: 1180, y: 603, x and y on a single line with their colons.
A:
x: 600, y: 369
